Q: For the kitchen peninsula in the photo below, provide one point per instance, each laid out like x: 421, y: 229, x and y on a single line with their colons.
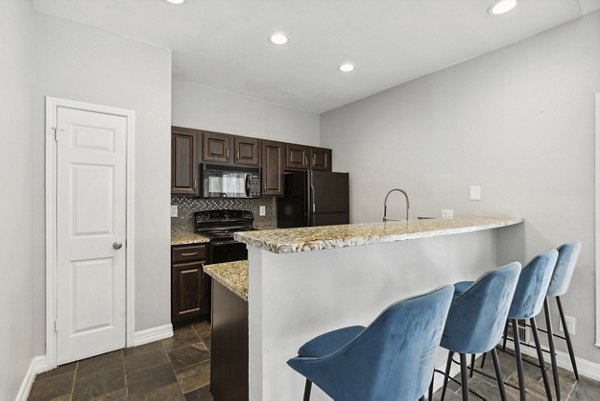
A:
x: 305, y: 281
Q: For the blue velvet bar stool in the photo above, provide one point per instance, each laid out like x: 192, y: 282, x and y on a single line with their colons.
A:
x: 527, y: 304
x: 559, y: 285
x: 391, y: 359
x: 476, y: 322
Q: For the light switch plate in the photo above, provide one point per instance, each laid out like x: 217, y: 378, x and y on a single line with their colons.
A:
x: 447, y: 213
x: 173, y: 210
x: 475, y: 192
x: 262, y: 211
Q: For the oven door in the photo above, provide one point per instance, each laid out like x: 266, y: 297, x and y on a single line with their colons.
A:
x: 227, y: 251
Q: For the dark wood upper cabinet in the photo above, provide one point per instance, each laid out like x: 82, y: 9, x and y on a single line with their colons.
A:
x: 320, y: 159
x: 217, y: 147
x: 184, y: 161
x: 272, y: 167
x: 297, y: 156
x: 247, y: 151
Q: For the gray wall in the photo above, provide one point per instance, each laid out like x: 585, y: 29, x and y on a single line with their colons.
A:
x: 196, y: 106
x: 16, y: 55
x: 80, y: 63
x: 518, y: 121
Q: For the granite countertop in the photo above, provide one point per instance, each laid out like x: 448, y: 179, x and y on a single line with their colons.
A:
x: 187, y: 238
x: 232, y: 275
x: 293, y: 240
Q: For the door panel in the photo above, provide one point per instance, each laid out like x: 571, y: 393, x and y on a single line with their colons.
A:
x: 91, y: 199
x: 246, y: 151
x: 216, y: 147
x: 272, y: 167
x: 330, y: 192
x: 320, y: 159
x: 184, y: 161
x: 296, y: 156
x: 92, y: 295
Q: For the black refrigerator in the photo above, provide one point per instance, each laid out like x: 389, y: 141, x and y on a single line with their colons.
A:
x: 314, y: 198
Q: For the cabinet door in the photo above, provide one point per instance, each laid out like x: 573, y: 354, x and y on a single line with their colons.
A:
x: 272, y: 167
x: 247, y: 151
x: 320, y: 159
x: 216, y: 147
x: 296, y: 156
x: 184, y: 162
x: 186, y: 291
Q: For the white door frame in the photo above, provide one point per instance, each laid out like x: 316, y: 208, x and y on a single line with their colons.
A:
x: 52, y: 105
x: 597, y: 230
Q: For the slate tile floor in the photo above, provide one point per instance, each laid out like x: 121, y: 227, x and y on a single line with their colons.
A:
x: 178, y: 369
x: 571, y: 390
x: 174, y: 369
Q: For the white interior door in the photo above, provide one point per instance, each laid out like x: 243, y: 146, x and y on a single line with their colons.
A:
x: 91, y: 231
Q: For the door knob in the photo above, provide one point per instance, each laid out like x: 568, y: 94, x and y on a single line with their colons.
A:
x: 117, y: 245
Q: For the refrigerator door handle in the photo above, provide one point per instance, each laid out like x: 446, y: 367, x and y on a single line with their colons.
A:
x: 312, y: 198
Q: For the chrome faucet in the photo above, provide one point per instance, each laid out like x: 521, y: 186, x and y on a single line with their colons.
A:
x: 385, y: 218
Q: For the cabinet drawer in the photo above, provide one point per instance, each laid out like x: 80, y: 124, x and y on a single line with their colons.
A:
x: 188, y: 253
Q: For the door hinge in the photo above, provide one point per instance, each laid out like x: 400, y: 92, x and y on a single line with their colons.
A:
x: 56, y: 326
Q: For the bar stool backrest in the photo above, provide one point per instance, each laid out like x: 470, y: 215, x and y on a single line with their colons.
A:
x: 477, y: 316
x: 563, y: 272
x: 533, y: 286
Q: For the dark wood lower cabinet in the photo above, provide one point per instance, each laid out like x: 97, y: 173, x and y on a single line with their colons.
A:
x: 190, y: 287
x: 229, y: 346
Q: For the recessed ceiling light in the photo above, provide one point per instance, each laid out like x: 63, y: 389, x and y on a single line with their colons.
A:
x: 176, y: 2
x: 278, y: 38
x: 347, y: 67
x: 502, y: 7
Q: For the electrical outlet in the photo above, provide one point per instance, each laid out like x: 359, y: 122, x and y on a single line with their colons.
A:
x: 475, y: 192
x: 570, y: 325
x: 262, y: 211
x: 447, y: 214
x: 173, y: 210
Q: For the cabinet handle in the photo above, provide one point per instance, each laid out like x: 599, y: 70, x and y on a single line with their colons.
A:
x: 189, y: 254
x: 228, y: 153
x: 314, y: 160
x: 195, y: 183
x: 237, y: 154
x: 305, y: 160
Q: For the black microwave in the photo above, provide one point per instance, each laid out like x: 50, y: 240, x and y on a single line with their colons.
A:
x: 220, y: 181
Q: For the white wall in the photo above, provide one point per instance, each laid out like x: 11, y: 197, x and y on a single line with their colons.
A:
x: 196, y: 106
x: 16, y: 55
x: 518, y: 121
x: 80, y: 63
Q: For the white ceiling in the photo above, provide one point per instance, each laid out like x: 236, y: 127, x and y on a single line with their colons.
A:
x: 223, y: 43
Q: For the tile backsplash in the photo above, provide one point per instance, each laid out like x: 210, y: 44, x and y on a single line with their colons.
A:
x: 187, y: 206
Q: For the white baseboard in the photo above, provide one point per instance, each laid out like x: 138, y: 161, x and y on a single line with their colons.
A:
x: 152, y: 334
x: 585, y: 368
x: 38, y: 365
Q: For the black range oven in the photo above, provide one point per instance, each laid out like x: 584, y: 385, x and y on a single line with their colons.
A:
x: 219, y: 226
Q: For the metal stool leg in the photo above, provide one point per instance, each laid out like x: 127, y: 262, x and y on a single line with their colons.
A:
x: 447, y: 374
x: 307, y: 388
x: 472, y: 365
x: 515, y: 325
x: 540, y: 355
x: 505, y: 336
x: 430, y: 395
x: 464, y: 377
x: 499, y: 377
x: 552, y: 349
x: 567, y: 337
